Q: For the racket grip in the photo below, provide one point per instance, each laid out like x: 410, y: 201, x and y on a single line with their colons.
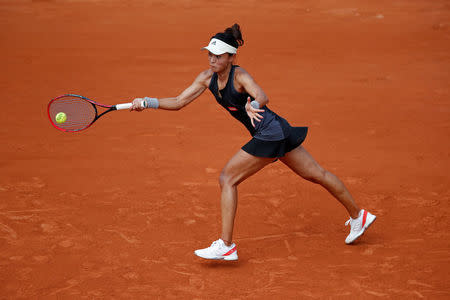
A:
x: 128, y: 105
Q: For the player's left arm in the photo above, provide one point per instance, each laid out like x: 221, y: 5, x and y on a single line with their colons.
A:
x: 247, y: 82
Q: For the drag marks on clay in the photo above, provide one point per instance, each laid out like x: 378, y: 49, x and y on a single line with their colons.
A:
x: 26, y: 193
x: 128, y: 239
x: 416, y: 293
x: 389, y: 266
x: 49, y: 227
x: 181, y: 268
x: 406, y: 201
x: 70, y: 284
x: 8, y: 233
x: 41, y: 258
x: 378, y: 294
x: 361, y: 286
x: 164, y: 218
x: 294, y: 276
x: 210, y: 170
x: 368, y: 251
x: 153, y: 215
x: 408, y: 241
x: 180, y: 272
x: 67, y: 243
x: 276, y: 236
x: 28, y: 211
x: 288, y: 246
x: 130, y: 276
x: 189, y: 222
x: 27, y: 218
x: 417, y: 283
x: 374, y: 201
x: 418, y: 197
x: 273, y: 273
x: 51, y: 237
x: 360, y: 14
x: 23, y: 274
x: 354, y: 180
x: 343, y: 12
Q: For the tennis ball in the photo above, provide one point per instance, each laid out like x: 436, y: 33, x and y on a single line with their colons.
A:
x: 60, y: 117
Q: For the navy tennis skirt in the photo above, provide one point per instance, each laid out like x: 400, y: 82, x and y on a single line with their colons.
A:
x: 275, y: 149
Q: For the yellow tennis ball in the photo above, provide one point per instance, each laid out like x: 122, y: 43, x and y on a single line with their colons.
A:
x: 60, y: 117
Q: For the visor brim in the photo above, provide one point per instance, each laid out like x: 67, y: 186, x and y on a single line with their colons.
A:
x: 214, y: 50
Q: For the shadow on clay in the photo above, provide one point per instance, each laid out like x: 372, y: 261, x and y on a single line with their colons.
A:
x: 213, y: 264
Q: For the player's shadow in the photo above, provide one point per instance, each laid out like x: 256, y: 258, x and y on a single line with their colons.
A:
x: 221, y: 264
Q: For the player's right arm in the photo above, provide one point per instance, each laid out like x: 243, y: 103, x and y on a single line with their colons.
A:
x: 187, y: 96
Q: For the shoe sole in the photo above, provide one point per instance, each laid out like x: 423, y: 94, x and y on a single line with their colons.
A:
x: 219, y: 258
x: 362, y: 232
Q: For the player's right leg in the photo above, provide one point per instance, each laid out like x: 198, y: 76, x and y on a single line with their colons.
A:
x: 241, y: 166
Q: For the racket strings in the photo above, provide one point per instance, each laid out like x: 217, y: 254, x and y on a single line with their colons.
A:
x: 80, y: 113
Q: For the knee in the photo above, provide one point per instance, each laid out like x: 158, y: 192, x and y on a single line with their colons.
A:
x: 317, y: 177
x: 226, y: 179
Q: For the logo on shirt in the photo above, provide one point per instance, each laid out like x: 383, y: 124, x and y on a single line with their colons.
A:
x: 213, y: 43
x: 232, y: 108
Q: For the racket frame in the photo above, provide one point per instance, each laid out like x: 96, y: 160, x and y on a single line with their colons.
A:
x: 94, y: 104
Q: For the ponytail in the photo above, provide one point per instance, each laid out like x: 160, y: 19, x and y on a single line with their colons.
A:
x: 232, y: 36
x: 235, y: 31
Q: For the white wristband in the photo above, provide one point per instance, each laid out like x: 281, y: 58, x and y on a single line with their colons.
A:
x: 255, y: 104
x: 152, y: 102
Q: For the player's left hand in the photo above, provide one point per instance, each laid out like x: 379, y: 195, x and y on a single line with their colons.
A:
x: 253, y: 113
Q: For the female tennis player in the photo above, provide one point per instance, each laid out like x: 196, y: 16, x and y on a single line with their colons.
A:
x: 272, y: 138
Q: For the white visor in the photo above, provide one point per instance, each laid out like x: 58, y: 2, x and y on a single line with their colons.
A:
x: 218, y: 47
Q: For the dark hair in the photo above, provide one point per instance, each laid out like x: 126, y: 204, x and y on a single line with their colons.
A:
x: 232, y: 36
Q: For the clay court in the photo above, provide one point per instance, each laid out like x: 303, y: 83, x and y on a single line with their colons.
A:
x: 116, y: 211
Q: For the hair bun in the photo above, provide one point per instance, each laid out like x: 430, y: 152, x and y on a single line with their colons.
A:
x: 235, y: 31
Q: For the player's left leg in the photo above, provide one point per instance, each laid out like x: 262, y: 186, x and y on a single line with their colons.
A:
x: 302, y: 163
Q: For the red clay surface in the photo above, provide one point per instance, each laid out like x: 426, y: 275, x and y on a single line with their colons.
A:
x: 116, y: 211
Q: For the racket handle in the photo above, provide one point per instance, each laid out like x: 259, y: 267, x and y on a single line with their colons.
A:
x: 128, y: 105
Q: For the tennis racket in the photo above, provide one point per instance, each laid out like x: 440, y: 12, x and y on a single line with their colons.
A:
x: 74, y: 113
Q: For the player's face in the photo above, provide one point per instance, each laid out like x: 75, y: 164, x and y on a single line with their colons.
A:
x: 219, y: 63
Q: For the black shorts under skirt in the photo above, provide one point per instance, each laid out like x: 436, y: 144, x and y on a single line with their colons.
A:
x: 275, y: 149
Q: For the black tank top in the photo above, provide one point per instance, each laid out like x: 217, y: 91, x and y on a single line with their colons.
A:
x: 271, y: 128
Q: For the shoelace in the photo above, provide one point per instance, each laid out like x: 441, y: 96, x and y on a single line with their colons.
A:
x: 355, y: 225
x: 216, y: 244
x: 218, y: 247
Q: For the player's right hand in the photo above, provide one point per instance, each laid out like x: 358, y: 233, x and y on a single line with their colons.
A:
x: 137, y: 105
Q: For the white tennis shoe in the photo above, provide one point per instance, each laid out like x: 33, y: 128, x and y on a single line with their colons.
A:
x: 359, y: 225
x: 218, y: 250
